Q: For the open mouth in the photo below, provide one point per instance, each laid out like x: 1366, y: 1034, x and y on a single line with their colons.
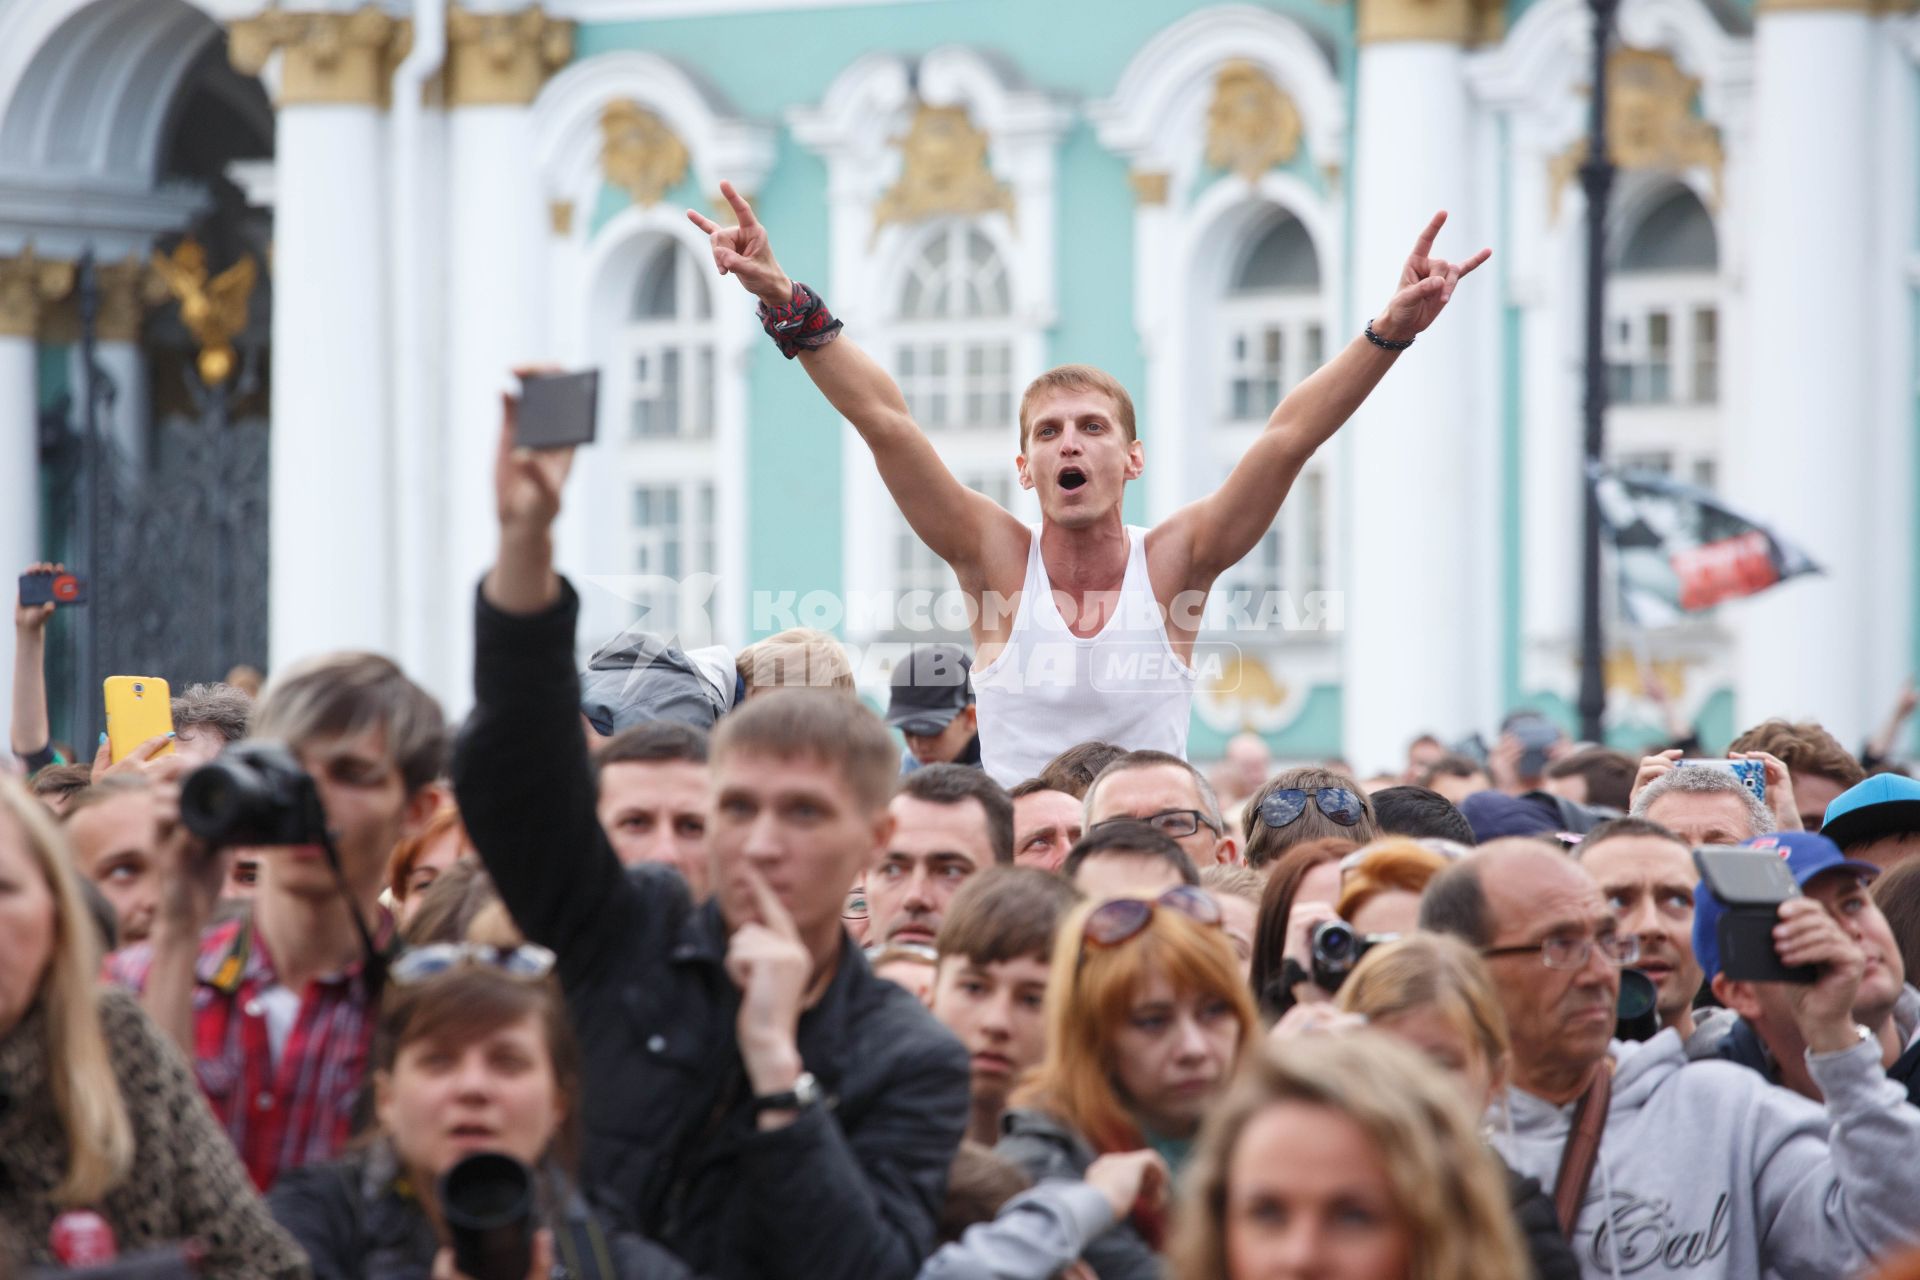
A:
x: 1072, y: 478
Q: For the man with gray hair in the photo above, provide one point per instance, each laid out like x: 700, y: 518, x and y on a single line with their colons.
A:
x: 1703, y: 806
x: 1703, y: 1168
x: 1165, y: 792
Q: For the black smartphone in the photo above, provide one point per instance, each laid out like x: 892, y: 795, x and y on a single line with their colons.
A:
x: 1750, y: 885
x: 52, y: 588
x: 558, y: 410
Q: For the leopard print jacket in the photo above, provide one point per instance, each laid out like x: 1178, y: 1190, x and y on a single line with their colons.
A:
x: 186, y: 1182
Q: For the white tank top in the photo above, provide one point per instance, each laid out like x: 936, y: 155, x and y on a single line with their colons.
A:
x: 1050, y: 689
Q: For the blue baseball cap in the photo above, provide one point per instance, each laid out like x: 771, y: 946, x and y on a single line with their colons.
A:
x: 1808, y: 854
x: 1887, y: 804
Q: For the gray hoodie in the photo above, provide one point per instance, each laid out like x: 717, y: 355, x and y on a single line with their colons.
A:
x: 1707, y: 1171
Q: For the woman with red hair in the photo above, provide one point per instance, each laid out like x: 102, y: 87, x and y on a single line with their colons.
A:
x: 1147, y: 1017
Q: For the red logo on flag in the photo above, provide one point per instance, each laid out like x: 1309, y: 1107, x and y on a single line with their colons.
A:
x: 1724, y: 570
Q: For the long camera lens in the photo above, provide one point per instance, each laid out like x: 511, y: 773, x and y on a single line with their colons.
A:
x: 487, y: 1200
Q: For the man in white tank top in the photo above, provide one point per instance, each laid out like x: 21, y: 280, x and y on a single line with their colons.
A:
x: 1086, y: 625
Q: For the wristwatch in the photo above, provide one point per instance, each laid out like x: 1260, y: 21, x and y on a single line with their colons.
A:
x: 805, y: 1092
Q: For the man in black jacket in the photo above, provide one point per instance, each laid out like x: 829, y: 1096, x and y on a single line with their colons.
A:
x: 757, y: 1099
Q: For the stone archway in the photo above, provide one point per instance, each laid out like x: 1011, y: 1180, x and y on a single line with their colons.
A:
x: 120, y: 125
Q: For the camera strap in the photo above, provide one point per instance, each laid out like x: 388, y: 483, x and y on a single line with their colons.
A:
x: 1582, y: 1151
x: 374, y: 974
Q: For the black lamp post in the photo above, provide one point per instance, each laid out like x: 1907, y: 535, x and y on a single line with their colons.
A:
x: 1596, y: 177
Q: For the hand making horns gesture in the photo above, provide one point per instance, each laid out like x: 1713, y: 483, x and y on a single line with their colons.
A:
x: 1426, y: 282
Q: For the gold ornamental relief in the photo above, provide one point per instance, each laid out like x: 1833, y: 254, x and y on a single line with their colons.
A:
x: 503, y: 59
x: 943, y: 171
x: 327, y: 57
x: 1651, y: 123
x: 1252, y: 125
x: 28, y: 283
x: 213, y: 310
x: 639, y: 152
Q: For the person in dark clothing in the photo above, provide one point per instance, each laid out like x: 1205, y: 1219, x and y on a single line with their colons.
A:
x: 474, y: 1054
x: 756, y: 1098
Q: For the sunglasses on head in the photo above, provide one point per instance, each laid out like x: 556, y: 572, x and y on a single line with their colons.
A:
x: 1285, y: 806
x: 419, y: 964
x: 1122, y: 919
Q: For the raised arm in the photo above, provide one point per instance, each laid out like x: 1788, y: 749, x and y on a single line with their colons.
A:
x: 1218, y: 530
x: 959, y: 524
x: 520, y: 769
x: 29, y: 734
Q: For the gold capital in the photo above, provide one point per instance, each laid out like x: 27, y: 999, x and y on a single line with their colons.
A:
x: 1149, y: 186
x: 1872, y: 7
x: 327, y: 57
x: 27, y: 284
x: 1464, y: 22
x: 640, y: 152
x: 503, y: 59
x: 128, y: 290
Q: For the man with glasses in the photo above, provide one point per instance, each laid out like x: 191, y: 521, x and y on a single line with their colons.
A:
x: 1701, y: 1168
x: 1168, y: 794
x: 1127, y: 859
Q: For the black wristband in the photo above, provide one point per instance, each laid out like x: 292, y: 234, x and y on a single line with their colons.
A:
x: 1386, y: 344
x: 803, y: 324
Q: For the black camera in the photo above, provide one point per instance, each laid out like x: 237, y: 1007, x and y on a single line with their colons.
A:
x: 254, y: 793
x: 1337, y: 948
x: 487, y: 1200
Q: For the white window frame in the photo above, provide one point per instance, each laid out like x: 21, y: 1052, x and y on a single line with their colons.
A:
x: 865, y: 110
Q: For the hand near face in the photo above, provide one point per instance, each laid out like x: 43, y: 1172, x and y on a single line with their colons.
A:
x: 1809, y: 935
x: 1130, y: 1178
x: 771, y: 965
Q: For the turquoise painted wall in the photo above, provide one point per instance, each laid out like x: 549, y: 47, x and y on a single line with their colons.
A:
x: 766, y: 64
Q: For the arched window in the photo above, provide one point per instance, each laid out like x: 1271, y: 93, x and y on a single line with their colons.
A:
x: 1663, y: 341
x: 665, y: 387
x: 1269, y: 338
x: 952, y: 353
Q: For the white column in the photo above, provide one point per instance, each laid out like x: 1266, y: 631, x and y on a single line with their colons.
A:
x: 1414, y: 647
x: 1803, y: 459
x: 331, y: 551
x: 26, y: 284
x: 496, y: 233
x: 19, y: 483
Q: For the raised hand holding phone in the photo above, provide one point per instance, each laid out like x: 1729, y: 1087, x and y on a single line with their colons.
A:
x: 527, y: 484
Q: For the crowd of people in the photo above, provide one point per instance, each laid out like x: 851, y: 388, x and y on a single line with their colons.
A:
x: 743, y: 991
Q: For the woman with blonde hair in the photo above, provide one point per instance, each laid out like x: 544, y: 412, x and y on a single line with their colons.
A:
x: 1147, y: 1017
x: 1344, y: 1156
x: 1432, y: 992
x: 103, y: 1116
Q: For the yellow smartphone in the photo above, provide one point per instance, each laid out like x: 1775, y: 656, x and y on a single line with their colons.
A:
x: 138, y: 708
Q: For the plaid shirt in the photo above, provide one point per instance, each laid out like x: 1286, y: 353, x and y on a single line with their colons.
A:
x: 284, y: 1114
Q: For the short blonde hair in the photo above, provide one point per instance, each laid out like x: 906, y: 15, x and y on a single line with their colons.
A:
x: 1431, y: 971
x: 1078, y: 377
x: 797, y: 658
x: 84, y: 1091
x: 1446, y: 1185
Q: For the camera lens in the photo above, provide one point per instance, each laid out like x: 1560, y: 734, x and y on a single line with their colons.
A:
x: 138, y: 687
